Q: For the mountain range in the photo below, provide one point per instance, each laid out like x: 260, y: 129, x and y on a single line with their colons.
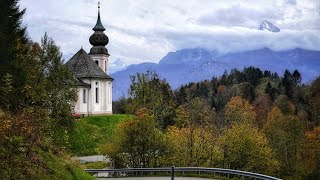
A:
x: 192, y: 65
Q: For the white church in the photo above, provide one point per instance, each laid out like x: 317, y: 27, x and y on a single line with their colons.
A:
x: 94, y: 85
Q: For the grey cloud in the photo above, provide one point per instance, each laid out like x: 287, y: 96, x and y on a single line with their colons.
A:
x: 239, y: 16
x: 246, y: 39
x: 145, y: 30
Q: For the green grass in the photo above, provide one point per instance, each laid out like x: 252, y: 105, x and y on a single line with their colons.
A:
x: 93, y: 131
x: 59, y: 168
x: 50, y: 166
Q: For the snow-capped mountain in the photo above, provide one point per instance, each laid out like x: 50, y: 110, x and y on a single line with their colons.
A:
x: 116, y: 65
x: 192, y: 65
x: 268, y: 26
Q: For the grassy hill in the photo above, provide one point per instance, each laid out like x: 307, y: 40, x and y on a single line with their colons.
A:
x: 93, y: 131
x: 59, y: 168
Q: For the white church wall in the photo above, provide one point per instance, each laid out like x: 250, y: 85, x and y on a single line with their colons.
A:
x: 104, y: 104
x: 81, y: 106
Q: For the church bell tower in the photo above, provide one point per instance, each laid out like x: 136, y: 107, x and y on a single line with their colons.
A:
x: 99, y: 53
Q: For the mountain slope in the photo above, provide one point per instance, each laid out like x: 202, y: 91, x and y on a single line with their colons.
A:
x: 191, y: 65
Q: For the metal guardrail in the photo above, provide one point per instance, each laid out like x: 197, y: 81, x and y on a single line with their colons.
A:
x: 172, y: 170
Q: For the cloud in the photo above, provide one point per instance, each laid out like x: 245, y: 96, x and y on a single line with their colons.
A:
x: 238, y: 39
x: 145, y: 30
x: 239, y: 15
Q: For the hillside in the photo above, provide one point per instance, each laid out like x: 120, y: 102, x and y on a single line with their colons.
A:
x: 192, y: 65
x: 92, y: 131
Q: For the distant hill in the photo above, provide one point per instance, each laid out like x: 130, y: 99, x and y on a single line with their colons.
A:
x: 191, y: 65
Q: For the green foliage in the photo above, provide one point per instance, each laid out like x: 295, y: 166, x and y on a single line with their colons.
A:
x: 195, y: 147
x: 137, y: 143
x: 92, y: 132
x: 285, y: 105
x: 148, y: 91
x: 56, y: 168
x: 285, y: 133
x: 246, y: 148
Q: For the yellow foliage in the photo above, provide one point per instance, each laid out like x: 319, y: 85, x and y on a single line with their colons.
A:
x: 246, y: 148
x: 239, y: 110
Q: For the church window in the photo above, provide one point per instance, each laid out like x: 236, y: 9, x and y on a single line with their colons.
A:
x: 97, y: 92
x: 97, y: 95
x: 84, y: 96
x: 105, y: 66
x: 97, y: 62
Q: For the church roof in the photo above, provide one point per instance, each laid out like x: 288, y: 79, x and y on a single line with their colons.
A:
x: 82, y: 66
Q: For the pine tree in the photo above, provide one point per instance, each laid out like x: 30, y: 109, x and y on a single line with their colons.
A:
x: 12, y: 50
x: 270, y: 90
x: 287, y: 83
x: 296, y: 77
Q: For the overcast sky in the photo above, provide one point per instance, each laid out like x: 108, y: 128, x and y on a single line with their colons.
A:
x: 145, y: 30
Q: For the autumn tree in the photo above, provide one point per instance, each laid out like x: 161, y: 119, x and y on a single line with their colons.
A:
x: 315, y: 101
x: 137, y: 142
x: 285, y: 133
x: 202, y: 153
x: 246, y: 148
x: 310, y: 155
x: 262, y: 106
x: 239, y: 110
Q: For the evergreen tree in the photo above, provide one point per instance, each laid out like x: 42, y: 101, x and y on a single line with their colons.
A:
x: 253, y: 75
x: 296, y: 77
x: 13, y: 48
x: 181, y: 96
x: 287, y: 83
x: 270, y: 90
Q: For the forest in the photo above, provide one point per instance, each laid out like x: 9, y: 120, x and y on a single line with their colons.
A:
x: 248, y: 119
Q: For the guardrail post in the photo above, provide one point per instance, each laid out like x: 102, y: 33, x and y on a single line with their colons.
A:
x: 172, y: 173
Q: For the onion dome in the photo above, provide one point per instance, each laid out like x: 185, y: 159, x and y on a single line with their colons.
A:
x: 98, y: 39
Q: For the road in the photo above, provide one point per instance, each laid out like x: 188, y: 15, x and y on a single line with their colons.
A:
x: 156, y: 178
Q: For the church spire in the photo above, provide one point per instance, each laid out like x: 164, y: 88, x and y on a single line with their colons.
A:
x: 98, y: 26
x: 98, y: 39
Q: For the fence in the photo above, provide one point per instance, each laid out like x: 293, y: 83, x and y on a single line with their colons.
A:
x: 182, y: 170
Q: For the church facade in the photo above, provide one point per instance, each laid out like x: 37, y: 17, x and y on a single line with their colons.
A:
x: 93, y: 84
